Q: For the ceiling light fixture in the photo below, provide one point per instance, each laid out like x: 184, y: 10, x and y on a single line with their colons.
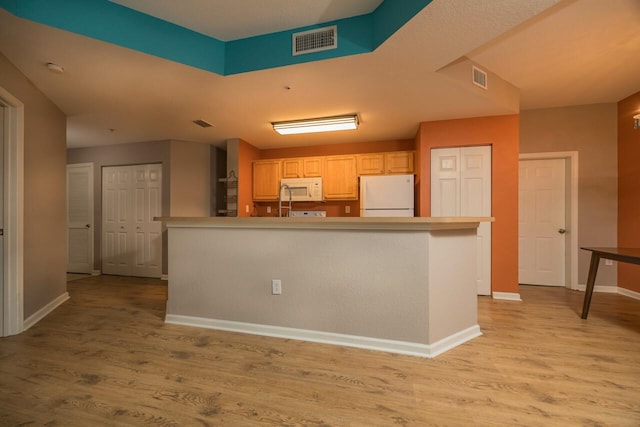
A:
x: 636, y: 121
x: 325, y: 124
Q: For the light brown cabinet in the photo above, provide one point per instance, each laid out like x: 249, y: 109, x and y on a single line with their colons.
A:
x: 303, y: 167
x: 266, y: 179
x: 370, y: 164
x: 339, y: 173
x: 394, y: 162
x: 399, y: 162
x: 340, y: 178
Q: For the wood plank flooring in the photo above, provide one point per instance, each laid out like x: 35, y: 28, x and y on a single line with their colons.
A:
x: 106, y: 358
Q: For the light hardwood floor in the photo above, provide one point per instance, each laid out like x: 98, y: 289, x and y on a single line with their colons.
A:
x: 106, y: 358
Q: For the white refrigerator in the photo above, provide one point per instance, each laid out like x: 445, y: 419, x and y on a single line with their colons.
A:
x: 386, y: 195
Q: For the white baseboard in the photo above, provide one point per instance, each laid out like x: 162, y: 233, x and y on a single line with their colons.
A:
x: 164, y: 277
x: 391, y: 346
x: 508, y: 296
x: 454, y: 340
x: 603, y: 289
x: 629, y: 293
x: 96, y: 273
x: 44, y: 311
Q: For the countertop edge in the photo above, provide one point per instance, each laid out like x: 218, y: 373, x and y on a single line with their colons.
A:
x: 331, y: 223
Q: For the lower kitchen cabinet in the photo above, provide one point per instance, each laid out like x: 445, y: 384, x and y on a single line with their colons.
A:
x: 340, y: 180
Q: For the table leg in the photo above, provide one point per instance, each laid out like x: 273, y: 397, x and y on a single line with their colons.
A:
x: 591, y: 281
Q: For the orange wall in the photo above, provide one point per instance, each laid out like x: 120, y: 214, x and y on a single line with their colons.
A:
x: 502, y: 133
x: 337, y: 149
x: 628, y: 189
x: 247, y: 153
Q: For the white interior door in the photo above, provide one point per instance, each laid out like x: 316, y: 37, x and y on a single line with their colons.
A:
x: 132, y: 241
x: 461, y: 186
x: 147, y: 234
x: 116, y: 196
x: 80, y: 218
x: 541, y: 228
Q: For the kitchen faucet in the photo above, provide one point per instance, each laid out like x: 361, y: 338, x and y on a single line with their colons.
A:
x: 284, y: 186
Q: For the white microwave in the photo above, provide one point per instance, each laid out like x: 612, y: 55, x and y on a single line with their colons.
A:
x: 301, y: 189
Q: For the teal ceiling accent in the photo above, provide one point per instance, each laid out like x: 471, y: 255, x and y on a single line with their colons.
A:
x: 112, y: 23
x: 274, y: 50
x: 119, y: 25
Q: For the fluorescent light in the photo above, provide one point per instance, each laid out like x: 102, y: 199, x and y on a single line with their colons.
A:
x: 325, y: 124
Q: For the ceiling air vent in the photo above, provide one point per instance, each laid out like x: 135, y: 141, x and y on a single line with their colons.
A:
x: 315, y: 40
x: 202, y: 123
x: 479, y: 77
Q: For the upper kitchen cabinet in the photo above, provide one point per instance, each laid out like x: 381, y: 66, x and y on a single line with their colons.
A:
x: 400, y: 162
x: 304, y: 167
x: 266, y: 179
x: 340, y: 178
x: 371, y: 164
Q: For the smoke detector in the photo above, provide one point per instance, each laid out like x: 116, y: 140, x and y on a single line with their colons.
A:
x: 55, y: 68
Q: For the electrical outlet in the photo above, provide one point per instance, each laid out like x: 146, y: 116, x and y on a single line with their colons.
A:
x: 347, y: 209
x: 608, y: 262
x: 246, y: 208
x: 268, y: 209
x: 276, y: 287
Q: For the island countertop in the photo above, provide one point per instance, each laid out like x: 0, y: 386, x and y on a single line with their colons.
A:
x: 329, y: 223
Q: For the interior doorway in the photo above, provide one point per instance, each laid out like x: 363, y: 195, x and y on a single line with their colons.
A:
x: 80, y: 222
x: 12, y: 188
x: 548, y: 219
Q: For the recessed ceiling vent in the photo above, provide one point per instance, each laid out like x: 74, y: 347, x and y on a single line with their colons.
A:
x: 202, y: 123
x: 479, y: 77
x: 315, y: 40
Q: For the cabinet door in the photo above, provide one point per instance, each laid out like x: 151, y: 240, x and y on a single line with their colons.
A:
x: 312, y: 167
x: 266, y: 179
x: 340, y: 180
x: 371, y: 164
x: 399, y: 162
x: 292, y: 168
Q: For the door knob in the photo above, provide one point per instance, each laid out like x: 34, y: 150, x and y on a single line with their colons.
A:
x: 562, y: 231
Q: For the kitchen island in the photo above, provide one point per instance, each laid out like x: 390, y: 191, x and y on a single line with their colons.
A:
x: 403, y: 285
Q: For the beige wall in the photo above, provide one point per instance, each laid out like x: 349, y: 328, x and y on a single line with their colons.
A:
x: 121, y: 155
x: 190, y: 185
x: 591, y: 131
x: 45, y: 242
x: 185, y: 178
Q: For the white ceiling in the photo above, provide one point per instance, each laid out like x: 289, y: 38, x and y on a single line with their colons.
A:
x: 556, y: 53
